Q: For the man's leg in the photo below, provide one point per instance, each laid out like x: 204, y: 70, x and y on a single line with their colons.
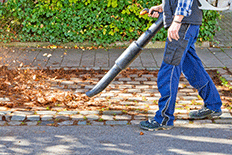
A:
x: 168, y: 77
x: 195, y: 73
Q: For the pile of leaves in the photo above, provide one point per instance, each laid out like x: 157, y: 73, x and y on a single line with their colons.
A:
x: 26, y: 88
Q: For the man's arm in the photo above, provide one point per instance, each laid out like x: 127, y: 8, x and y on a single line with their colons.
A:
x: 183, y: 10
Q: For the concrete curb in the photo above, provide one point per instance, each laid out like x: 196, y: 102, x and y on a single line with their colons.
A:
x: 68, y: 118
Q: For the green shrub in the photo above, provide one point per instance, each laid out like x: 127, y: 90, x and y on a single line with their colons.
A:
x: 99, y: 21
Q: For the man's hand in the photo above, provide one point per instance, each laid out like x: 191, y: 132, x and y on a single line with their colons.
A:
x: 173, y: 31
x: 156, y: 9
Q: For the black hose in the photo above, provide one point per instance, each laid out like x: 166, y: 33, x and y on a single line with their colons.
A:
x: 127, y: 57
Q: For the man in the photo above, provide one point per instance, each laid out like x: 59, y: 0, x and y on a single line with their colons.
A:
x: 183, y: 19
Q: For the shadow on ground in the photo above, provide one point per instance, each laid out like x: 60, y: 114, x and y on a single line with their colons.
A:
x: 190, y: 139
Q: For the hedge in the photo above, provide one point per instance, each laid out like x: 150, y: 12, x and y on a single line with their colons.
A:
x: 98, y: 21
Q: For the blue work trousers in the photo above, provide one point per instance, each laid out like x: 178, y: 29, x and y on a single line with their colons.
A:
x: 180, y: 57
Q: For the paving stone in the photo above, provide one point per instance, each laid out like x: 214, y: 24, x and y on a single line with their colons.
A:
x: 186, y: 90
x: 184, y: 102
x: 14, y: 123
x: 82, y: 123
x: 67, y: 83
x: 67, y: 112
x: 116, y: 98
x: 96, y: 123
x: 117, y: 82
x: 46, y: 112
x: 195, y: 107
x: 112, y: 112
x: 155, y: 87
x: 107, y: 95
x: 18, y: 117
x: 65, y: 123
x: 133, y: 82
x: 24, y: 112
x: 226, y: 116
x: 140, y: 107
x: 107, y: 117
x: 152, y: 68
x: 124, y: 79
x: 125, y: 95
x: 223, y: 121
x: 153, y: 79
x: 147, y: 75
x: 89, y: 112
x: 140, y: 79
x: 189, y: 97
x: 193, y: 94
x: 62, y: 117
x: 225, y: 111
x: 199, y: 101
x: 181, y: 122
x: 115, y: 91
x: 134, y: 91
x: 4, y: 99
x: 150, y: 82
x: 124, y: 86
x: 2, y: 123
x: 92, y: 117
x: 181, y: 116
x: 74, y: 87
x: 144, y: 94
x: 46, y: 117
x: 127, y: 103
x: 123, y: 117
x: 33, y: 117
x: 142, y: 86
x: 32, y: 123
x: 116, y: 122
x: 151, y: 91
x: 44, y: 123
x: 89, y: 86
x: 77, y: 117
x: 151, y: 111
x: 80, y: 91
x: 152, y: 98
x: 111, y: 85
x: 139, y: 117
x: 99, y: 99
x: 202, y: 121
x: 181, y: 111
x: 133, y: 75
x: 3, y: 108
x: 156, y: 107
x: 135, y: 99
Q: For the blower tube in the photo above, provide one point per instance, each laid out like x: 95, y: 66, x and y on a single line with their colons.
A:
x: 127, y: 57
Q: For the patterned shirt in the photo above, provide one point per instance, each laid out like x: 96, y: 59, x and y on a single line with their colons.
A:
x: 184, y: 7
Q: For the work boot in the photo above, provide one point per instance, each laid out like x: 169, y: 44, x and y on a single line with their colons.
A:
x: 204, y: 113
x: 152, y: 125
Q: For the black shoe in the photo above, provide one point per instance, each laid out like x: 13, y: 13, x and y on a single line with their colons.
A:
x: 204, y: 113
x: 152, y: 125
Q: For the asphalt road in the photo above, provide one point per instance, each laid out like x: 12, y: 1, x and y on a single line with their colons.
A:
x: 207, y: 139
